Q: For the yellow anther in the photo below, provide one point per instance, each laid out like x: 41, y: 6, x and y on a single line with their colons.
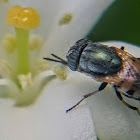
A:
x: 5, y: 68
x: 35, y: 42
x: 9, y: 43
x: 42, y: 66
x: 25, y: 80
x: 24, y: 18
x: 65, y: 19
x: 60, y: 72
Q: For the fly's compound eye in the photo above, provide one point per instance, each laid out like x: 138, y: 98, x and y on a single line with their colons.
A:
x: 74, y: 53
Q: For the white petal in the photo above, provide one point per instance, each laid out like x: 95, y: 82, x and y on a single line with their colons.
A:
x: 113, y: 120
x: 85, y: 15
x: 76, y: 124
x: 47, y: 118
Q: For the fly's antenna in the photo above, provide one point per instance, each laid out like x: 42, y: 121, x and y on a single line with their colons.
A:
x: 58, y: 59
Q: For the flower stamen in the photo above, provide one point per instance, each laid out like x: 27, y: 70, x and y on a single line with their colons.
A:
x: 60, y: 72
x: 35, y: 42
x: 9, y: 43
x: 23, y: 19
x: 65, y: 19
x: 25, y: 80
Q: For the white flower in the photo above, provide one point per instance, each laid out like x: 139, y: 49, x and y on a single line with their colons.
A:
x: 62, y: 23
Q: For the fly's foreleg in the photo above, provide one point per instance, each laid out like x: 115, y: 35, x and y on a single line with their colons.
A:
x: 102, y: 86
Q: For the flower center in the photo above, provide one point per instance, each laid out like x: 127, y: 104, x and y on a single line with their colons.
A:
x: 24, y: 76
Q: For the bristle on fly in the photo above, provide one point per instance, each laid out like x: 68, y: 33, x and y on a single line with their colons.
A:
x: 58, y: 59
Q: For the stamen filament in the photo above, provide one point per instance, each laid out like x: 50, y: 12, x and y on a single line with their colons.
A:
x: 22, y: 36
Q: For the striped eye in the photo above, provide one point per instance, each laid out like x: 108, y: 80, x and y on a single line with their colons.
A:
x: 75, y: 52
x: 73, y: 61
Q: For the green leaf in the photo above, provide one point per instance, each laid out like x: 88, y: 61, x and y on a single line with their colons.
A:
x: 121, y: 21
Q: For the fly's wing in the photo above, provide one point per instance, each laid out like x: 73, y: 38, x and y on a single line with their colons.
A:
x: 130, y: 87
x: 130, y: 75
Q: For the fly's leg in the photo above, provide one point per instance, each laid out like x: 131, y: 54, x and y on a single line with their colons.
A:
x: 102, y: 86
x: 122, y: 48
x: 128, y: 105
x: 97, y: 138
